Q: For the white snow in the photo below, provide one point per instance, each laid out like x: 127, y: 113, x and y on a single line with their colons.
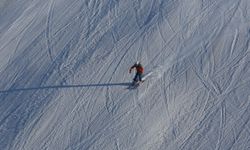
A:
x: 64, y: 74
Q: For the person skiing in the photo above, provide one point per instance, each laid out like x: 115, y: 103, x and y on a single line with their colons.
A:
x: 139, y: 71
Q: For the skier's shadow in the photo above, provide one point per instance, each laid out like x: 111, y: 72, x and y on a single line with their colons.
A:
x: 64, y: 87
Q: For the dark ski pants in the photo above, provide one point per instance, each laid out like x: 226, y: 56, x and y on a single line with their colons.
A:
x: 138, y: 77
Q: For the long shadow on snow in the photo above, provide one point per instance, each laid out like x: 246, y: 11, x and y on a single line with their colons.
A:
x: 65, y: 86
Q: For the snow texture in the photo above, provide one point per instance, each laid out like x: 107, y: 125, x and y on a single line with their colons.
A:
x: 64, y: 74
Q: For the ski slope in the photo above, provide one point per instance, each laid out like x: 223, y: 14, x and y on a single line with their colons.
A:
x: 64, y: 75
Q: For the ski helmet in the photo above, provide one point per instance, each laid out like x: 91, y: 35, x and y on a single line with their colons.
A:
x: 137, y: 62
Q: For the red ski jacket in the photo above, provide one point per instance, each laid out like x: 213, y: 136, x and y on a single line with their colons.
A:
x: 139, y: 68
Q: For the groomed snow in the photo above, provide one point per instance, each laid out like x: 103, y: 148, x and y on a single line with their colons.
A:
x: 64, y: 75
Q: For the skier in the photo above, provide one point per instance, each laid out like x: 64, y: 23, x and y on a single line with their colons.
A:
x: 139, y: 72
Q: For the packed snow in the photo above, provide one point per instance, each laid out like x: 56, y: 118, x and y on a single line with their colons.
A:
x: 64, y: 75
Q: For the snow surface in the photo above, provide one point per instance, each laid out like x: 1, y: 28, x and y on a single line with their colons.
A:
x: 64, y: 74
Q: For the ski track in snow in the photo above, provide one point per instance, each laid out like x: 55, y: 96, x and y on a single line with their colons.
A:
x: 48, y: 28
x: 64, y: 70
